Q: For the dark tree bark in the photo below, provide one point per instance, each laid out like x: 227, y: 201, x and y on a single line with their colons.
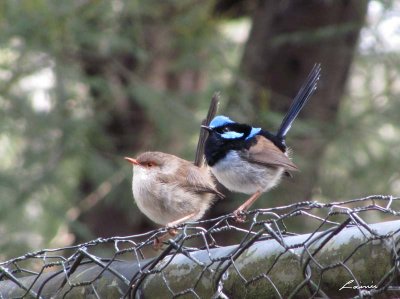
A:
x: 286, y: 39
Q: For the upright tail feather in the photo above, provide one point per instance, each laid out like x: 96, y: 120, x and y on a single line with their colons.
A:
x: 299, y: 101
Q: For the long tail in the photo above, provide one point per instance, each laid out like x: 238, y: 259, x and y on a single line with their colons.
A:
x: 212, y: 111
x: 299, y: 101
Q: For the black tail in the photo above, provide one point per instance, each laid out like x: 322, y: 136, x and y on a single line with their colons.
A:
x: 212, y: 111
x: 299, y: 101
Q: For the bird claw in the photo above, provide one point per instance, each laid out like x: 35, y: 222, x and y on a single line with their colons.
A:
x: 158, y: 241
x: 157, y: 244
x: 172, y: 232
x: 239, y: 216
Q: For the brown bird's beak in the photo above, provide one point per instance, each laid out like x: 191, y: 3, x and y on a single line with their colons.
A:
x: 209, y: 129
x: 131, y: 160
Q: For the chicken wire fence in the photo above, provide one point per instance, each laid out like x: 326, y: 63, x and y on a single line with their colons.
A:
x: 270, y: 255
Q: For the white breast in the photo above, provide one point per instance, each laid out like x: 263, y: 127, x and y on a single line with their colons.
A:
x: 164, y: 203
x: 240, y: 176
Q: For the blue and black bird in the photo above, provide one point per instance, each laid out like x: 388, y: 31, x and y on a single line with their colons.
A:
x: 251, y: 160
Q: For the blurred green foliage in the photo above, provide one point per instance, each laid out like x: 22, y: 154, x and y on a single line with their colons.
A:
x: 69, y: 69
x: 63, y: 82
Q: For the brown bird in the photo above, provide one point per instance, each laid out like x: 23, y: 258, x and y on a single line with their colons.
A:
x: 170, y: 190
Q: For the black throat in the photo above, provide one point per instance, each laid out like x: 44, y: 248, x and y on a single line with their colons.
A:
x: 216, y: 147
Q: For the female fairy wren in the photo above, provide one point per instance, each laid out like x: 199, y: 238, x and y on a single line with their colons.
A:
x: 252, y: 160
x: 170, y: 190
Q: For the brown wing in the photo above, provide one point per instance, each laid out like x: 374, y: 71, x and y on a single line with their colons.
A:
x: 266, y: 153
x: 202, y: 181
x: 193, y: 179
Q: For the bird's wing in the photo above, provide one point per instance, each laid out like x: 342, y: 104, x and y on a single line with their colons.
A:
x: 193, y: 179
x: 265, y: 152
x: 200, y: 179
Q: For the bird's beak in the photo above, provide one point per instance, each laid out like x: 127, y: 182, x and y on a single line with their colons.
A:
x: 131, y: 160
x: 209, y: 129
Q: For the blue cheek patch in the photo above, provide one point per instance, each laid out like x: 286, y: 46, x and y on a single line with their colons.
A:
x: 253, y: 132
x: 231, y: 135
x: 220, y: 121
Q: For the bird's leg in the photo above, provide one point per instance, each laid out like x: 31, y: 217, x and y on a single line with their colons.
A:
x: 172, y: 232
x: 245, y: 206
x: 181, y: 220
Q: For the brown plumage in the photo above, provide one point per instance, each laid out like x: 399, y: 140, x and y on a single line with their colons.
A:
x: 168, y: 189
x: 264, y: 152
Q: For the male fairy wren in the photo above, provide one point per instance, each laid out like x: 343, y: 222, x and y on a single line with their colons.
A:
x: 170, y: 190
x: 251, y: 160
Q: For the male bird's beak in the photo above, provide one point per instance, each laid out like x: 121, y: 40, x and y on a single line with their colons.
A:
x: 131, y: 160
x: 209, y: 129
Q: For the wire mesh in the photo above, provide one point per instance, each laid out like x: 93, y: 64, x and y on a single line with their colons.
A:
x: 350, y: 250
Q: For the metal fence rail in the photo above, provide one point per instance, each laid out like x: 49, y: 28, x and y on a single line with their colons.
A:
x: 269, y: 256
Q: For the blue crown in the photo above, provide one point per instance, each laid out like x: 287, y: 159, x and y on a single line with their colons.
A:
x: 220, y: 121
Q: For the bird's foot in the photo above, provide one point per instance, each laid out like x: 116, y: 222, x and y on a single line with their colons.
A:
x: 172, y: 232
x: 239, y: 216
x: 159, y: 241
x: 239, y: 212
